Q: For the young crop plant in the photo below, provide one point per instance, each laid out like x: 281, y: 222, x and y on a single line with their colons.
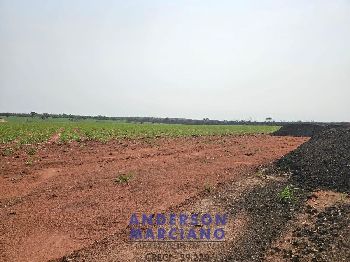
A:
x: 287, y: 194
x: 124, y: 178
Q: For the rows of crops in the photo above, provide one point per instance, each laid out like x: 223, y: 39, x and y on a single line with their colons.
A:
x: 30, y: 131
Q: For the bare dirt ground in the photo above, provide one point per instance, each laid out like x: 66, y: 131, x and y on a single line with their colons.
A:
x: 66, y: 197
x: 320, y: 228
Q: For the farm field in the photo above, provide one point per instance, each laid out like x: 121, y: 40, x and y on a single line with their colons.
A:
x: 35, y: 130
x: 58, y: 195
x: 71, y: 199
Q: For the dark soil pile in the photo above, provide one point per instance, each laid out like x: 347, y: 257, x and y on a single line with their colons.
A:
x: 303, y: 129
x: 268, y: 217
x: 322, y: 162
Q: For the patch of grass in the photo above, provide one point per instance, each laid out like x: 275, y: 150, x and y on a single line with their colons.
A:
x: 124, y: 178
x: 287, y: 194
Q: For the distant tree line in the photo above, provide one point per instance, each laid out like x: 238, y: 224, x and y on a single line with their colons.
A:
x: 166, y: 120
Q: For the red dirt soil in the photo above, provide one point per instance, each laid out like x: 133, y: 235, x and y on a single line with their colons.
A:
x: 67, y: 197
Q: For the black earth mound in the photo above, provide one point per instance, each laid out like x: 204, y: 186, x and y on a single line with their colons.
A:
x: 322, y: 162
x: 304, y: 129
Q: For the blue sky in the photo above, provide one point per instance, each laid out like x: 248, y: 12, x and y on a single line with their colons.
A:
x: 289, y: 60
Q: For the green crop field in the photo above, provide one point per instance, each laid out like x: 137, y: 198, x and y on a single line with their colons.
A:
x: 28, y: 130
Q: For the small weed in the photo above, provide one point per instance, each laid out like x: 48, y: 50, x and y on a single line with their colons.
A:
x: 29, y: 162
x: 124, y: 178
x: 287, y: 194
x: 260, y: 173
x: 7, y: 151
x: 205, y: 161
x: 208, y: 188
x: 31, y: 151
x: 343, y: 197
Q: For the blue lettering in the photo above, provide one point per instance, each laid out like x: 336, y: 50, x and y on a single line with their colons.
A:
x: 206, y: 219
x: 205, y: 233
x: 149, y: 234
x: 191, y: 234
x: 160, y: 219
x: 147, y: 220
x: 221, y: 219
x: 194, y: 218
x: 183, y: 219
x: 133, y: 220
x: 219, y: 233
x: 171, y: 234
x: 161, y: 233
x: 135, y: 233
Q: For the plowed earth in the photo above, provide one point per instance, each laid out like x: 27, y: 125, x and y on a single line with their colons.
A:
x: 67, y: 197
